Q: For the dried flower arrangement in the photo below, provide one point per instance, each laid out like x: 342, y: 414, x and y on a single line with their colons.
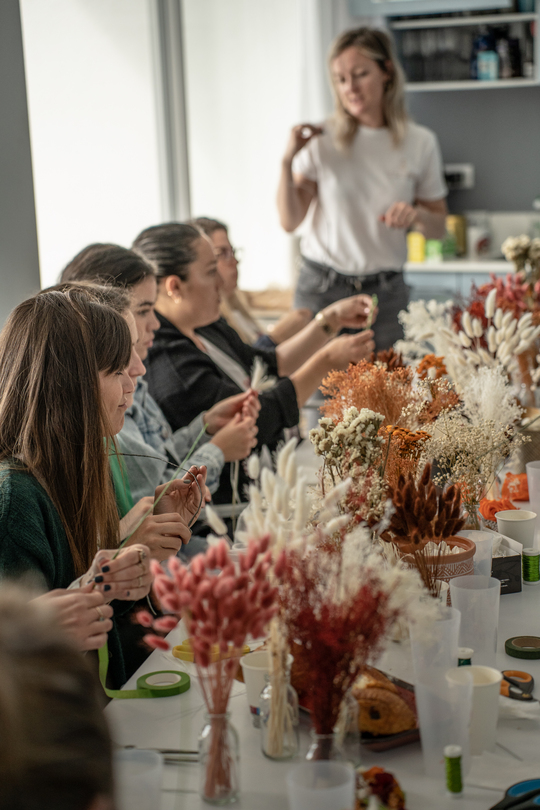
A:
x: 525, y: 254
x: 369, y: 386
x: 218, y: 608
x: 339, y: 607
x: 421, y: 523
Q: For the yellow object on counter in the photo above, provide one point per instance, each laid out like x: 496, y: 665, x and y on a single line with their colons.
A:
x: 184, y: 651
x: 416, y: 247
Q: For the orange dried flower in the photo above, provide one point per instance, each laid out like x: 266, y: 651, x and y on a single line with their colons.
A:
x: 431, y: 361
x: 366, y: 385
x: 409, y: 442
x: 490, y: 506
x: 515, y: 487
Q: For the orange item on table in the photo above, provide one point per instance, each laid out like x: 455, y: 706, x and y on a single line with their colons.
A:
x: 515, y: 487
x: 489, y: 508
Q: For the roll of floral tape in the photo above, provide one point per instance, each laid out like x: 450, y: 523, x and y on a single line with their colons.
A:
x: 523, y: 646
x: 166, y: 683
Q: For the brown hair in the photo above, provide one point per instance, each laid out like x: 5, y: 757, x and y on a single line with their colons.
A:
x: 55, y: 749
x: 108, y: 264
x: 376, y: 45
x: 52, y: 349
x: 208, y: 225
x: 114, y: 297
x: 171, y: 247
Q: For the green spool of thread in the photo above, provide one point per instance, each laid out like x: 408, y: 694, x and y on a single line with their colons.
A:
x: 465, y: 655
x: 452, y: 760
x: 531, y: 566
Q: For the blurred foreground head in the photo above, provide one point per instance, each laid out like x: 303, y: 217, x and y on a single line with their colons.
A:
x: 55, y: 750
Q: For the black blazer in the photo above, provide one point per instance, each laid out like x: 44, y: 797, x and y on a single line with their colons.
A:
x: 185, y: 381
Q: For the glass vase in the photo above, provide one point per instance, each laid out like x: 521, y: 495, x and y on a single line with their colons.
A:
x: 325, y: 746
x: 347, y: 729
x: 218, y: 760
x: 279, y: 717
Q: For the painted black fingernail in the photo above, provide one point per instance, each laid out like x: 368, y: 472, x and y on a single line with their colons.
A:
x: 105, y: 569
x: 99, y: 578
x: 106, y: 587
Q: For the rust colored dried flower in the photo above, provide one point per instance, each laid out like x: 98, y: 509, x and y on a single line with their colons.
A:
x: 365, y: 385
x: 432, y: 367
x: 421, y: 515
x: 408, y: 443
x: 389, y: 358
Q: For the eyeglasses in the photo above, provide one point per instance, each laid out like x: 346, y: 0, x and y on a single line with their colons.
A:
x: 228, y: 253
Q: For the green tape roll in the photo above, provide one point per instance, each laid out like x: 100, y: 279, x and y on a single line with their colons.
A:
x: 154, y: 685
x: 523, y: 647
x: 165, y: 683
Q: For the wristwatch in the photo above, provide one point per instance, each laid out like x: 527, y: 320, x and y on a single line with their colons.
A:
x: 320, y: 319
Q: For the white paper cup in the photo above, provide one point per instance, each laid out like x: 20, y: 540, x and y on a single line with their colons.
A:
x: 485, y: 705
x: 255, y: 666
x: 519, y: 524
x: 321, y: 785
x: 533, y: 483
x: 138, y: 776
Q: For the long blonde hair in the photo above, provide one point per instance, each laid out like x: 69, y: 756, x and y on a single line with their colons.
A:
x: 376, y: 45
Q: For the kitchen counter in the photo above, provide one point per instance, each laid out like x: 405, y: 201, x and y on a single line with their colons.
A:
x: 497, y: 266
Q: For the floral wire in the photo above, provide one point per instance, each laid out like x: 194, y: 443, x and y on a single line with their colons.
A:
x: 150, y: 510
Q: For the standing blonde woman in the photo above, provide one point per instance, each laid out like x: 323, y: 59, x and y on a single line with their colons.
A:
x: 359, y: 183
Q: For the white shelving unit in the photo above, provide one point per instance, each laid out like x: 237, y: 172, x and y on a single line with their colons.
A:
x: 470, y: 84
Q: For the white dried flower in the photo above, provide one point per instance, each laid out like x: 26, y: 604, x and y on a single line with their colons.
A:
x: 490, y: 304
x: 214, y: 521
x: 491, y: 339
x: 525, y: 320
x: 510, y: 329
x: 253, y: 466
x: 466, y: 323
x: 259, y: 380
x: 497, y: 319
x: 499, y: 336
x: 507, y: 317
x: 477, y: 327
x: 464, y: 339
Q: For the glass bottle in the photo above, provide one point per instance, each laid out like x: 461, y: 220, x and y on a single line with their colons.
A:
x: 325, y: 746
x: 279, y: 718
x: 218, y: 760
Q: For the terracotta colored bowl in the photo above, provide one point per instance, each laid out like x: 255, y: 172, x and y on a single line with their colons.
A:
x: 455, y: 565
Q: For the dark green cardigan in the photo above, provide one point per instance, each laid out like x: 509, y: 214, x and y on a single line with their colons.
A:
x: 33, y: 541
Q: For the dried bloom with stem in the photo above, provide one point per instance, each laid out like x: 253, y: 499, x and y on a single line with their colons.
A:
x: 388, y: 358
x: 339, y: 608
x: 220, y: 608
x: 432, y: 367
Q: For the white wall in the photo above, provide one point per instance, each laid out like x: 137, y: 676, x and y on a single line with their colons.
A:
x: 90, y: 83
x: 243, y: 95
x: 254, y: 69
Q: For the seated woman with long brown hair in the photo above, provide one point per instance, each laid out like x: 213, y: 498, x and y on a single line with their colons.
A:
x: 64, y: 389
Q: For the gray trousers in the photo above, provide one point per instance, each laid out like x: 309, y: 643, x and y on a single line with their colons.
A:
x: 319, y: 285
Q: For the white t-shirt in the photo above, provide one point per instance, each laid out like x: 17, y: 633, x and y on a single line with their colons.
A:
x: 341, y: 228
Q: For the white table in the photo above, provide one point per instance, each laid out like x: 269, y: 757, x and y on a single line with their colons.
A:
x: 175, y: 722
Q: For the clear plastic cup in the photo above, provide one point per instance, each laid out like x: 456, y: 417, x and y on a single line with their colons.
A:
x: 321, y: 785
x: 477, y: 598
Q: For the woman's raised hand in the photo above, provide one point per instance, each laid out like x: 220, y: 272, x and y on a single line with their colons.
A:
x: 125, y: 577
x: 349, y: 349
x: 183, y: 495
x: 238, y: 437
x: 352, y: 312
x: 300, y: 135
x: 82, y: 613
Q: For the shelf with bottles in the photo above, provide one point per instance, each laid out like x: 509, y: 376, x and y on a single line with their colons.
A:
x: 465, y: 52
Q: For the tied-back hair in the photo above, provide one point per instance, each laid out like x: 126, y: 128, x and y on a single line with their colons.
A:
x: 52, y: 422
x: 171, y: 247
x: 376, y: 45
x: 55, y: 749
x: 236, y: 301
x: 108, y: 264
